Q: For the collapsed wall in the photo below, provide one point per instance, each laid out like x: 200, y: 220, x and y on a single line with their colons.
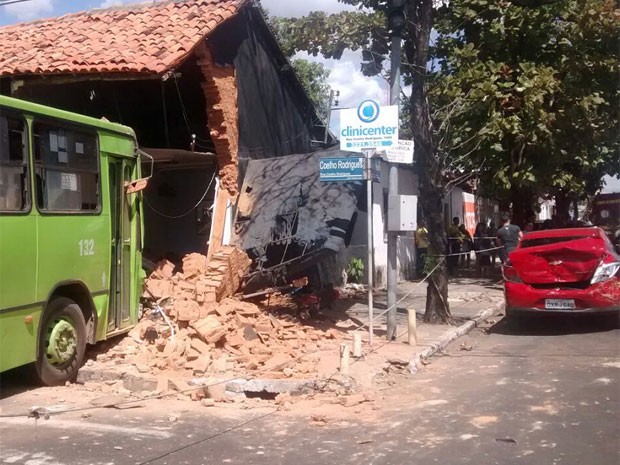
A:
x: 195, y: 324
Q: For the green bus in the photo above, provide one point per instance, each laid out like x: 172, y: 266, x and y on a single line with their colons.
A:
x: 70, y: 236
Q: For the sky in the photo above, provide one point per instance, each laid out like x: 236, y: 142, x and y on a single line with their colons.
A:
x: 611, y: 184
x: 345, y: 73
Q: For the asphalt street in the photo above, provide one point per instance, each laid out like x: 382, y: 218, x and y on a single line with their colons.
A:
x: 549, y: 394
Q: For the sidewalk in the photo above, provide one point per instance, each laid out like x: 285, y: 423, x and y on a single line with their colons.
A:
x: 471, y: 302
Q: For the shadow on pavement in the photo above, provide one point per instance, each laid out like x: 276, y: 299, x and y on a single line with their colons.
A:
x: 470, y: 275
x: 15, y: 381
x: 556, y: 325
x: 20, y: 379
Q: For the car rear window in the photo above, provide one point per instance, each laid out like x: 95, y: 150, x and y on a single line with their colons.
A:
x: 548, y: 240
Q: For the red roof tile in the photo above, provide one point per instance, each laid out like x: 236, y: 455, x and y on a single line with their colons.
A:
x: 146, y: 38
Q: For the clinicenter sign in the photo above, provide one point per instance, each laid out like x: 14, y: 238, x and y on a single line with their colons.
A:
x: 368, y: 126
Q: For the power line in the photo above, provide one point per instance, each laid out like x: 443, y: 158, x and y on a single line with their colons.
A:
x: 9, y: 2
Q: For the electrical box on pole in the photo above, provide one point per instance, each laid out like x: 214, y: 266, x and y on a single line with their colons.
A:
x: 402, y: 212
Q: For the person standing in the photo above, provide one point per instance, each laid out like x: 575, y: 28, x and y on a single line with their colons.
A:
x: 482, y: 246
x: 455, y: 240
x: 466, y: 247
x: 421, y: 247
x: 508, y: 236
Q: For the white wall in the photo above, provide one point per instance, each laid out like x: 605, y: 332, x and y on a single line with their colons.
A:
x: 407, y: 185
x: 487, y: 210
x: 546, y: 209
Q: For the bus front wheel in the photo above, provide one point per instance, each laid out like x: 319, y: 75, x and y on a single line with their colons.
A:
x: 62, y: 343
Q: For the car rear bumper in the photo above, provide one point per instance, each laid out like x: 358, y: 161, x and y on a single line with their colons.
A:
x: 600, y: 297
x: 531, y: 311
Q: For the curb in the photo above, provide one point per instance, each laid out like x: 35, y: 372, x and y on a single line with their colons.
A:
x: 451, y: 335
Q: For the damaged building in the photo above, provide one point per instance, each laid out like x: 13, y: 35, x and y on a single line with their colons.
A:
x: 233, y: 137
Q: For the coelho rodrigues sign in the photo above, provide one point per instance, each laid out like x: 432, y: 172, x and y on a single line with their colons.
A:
x: 342, y: 169
x: 367, y: 126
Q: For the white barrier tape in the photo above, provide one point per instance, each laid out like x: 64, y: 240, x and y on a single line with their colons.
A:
x: 465, y: 253
x: 365, y: 325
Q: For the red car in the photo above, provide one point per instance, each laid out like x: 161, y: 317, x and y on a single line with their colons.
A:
x: 562, y: 271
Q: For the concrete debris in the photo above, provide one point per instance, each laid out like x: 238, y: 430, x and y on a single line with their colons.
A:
x: 354, y: 399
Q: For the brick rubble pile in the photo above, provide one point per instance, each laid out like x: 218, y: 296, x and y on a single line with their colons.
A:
x: 215, y: 333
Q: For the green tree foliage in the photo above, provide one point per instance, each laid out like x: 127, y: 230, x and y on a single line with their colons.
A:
x: 329, y: 35
x: 528, y: 94
x: 524, y: 93
x: 314, y: 77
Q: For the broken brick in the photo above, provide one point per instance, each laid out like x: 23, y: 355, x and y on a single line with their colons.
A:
x: 206, y: 325
x: 199, y: 346
x: 187, y: 310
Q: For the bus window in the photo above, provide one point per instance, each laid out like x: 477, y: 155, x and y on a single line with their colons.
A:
x: 14, y: 192
x: 67, y: 169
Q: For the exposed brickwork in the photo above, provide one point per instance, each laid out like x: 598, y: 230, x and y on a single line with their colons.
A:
x: 200, y: 284
x: 220, y: 90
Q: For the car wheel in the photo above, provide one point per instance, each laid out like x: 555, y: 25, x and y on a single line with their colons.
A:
x: 62, y: 343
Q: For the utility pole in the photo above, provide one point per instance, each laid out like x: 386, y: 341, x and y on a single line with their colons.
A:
x: 332, y: 94
x: 396, y: 23
x: 368, y: 153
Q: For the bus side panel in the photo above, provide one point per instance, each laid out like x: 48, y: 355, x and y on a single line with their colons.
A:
x: 17, y: 291
x: 19, y: 337
x: 102, y: 304
x: 73, y: 248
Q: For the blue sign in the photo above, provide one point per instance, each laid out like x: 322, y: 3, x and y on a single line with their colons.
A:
x: 342, y: 169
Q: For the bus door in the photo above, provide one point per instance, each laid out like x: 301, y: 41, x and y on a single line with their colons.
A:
x: 121, y: 215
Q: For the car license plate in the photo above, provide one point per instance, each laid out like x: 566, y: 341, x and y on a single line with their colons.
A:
x: 559, y: 304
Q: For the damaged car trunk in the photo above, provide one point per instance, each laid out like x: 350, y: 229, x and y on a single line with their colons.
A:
x: 565, y: 270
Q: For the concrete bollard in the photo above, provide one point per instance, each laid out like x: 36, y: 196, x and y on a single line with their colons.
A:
x: 344, y: 359
x: 412, y: 325
x: 357, y: 345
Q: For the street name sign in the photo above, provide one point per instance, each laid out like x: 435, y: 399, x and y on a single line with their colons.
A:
x: 402, y: 153
x: 342, y: 169
x: 367, y: 126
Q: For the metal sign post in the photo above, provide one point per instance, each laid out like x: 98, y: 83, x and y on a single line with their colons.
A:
x: 346, y: 169
x: 369, y: 153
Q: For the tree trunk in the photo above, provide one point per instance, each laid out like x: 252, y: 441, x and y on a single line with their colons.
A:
x: 437, y: 307
x: 420, y: 14
x: 562, y: 204
x: 522, y: 206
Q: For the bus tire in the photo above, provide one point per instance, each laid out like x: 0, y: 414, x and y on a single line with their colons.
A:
x: 62, y: 343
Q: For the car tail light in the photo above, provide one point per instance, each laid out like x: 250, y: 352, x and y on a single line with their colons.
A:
x: 511, y: 275
x: 605, y: 272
